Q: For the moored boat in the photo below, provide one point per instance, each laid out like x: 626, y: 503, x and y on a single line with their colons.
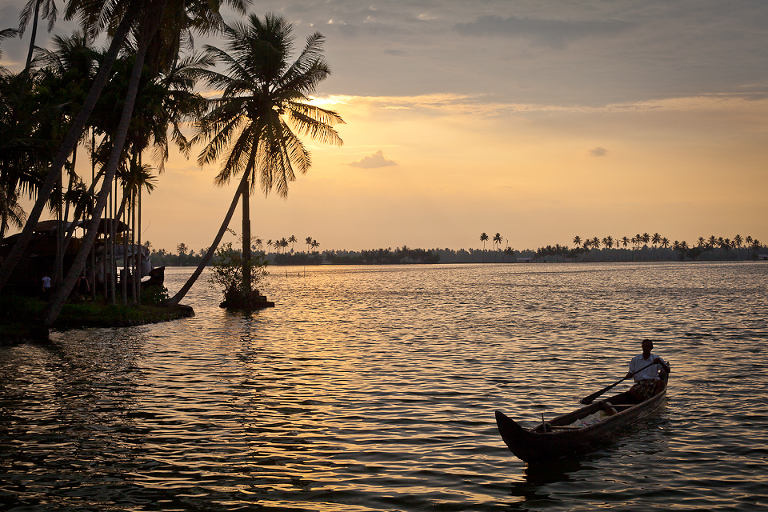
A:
x: 578, y: 430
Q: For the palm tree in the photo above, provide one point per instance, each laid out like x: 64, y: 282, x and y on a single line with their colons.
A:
x: 31, y: 12
x: 497, y: 238
x: 737, y: 241
x: 250, y: 124
x: 177, y: 21
x: 577, y: 240
x: 292, y: 241
x: 94, y: 15
x: 483, y: 238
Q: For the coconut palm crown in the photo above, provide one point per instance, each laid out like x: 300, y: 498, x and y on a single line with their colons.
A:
x: 263, y: 98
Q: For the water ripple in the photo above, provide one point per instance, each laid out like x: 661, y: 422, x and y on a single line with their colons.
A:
x: 373, y: 388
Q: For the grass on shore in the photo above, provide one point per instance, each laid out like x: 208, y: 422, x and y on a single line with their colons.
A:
x: 20, y: 315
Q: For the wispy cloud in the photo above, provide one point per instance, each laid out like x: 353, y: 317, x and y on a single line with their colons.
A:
x: 598, y: 151
x: 373, y: 161
x: 552, y: 33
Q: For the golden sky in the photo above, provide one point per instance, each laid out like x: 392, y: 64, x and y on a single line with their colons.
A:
x: 537, y: 120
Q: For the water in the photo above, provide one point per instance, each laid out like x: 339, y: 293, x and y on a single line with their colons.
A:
x: 374, y: 388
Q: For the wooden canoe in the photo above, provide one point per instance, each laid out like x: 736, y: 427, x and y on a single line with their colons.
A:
x: 559, y: 437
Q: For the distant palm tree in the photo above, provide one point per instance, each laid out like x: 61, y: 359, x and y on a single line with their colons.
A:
x: 577, y: 240
x: 596, y: 244
x: 483, y: 238
x: 292, y: 241
x: 656, y: 239
x: 497, y: 238
x: 608, y: 242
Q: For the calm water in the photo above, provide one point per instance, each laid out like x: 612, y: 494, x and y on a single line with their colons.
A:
x: 374, y: 388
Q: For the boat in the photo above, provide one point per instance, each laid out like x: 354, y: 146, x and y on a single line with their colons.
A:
x: 576, y: 431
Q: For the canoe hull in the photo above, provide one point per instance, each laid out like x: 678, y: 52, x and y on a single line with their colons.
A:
x: 537, y: 445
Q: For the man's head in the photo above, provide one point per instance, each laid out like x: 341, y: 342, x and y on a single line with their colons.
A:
x: 647, y: 346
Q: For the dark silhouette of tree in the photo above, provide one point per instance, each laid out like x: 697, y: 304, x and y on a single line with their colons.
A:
x: 250, y: 125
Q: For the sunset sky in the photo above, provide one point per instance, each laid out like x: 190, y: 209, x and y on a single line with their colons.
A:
x: 539, y: 120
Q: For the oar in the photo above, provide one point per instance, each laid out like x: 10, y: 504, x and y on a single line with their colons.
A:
x: 588, y: 400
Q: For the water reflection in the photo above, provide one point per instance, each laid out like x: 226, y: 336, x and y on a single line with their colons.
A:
x: 374, y: 389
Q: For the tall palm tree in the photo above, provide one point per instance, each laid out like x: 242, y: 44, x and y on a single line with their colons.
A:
x: 31, y: 12
x: 497, y: 239
x: 177, y: 19
x: 250, y: 125
x: 95, y: 16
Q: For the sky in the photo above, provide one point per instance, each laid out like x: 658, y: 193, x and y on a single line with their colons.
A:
x: 538, y: 120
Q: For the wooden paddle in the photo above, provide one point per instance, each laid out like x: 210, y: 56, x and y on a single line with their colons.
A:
x: 588, y: 400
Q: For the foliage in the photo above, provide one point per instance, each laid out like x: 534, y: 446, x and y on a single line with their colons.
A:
x: 227, y: 270
x: 154, y: 295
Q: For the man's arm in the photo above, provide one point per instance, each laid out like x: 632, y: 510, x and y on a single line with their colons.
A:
x: 664, y: 365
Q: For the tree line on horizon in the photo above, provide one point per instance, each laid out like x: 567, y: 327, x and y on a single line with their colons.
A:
x: 643, y: 248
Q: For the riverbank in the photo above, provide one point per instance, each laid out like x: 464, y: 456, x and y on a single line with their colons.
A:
x: 19, y: 318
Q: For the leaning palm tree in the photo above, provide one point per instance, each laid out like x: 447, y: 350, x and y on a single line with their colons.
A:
x: 255, y: 125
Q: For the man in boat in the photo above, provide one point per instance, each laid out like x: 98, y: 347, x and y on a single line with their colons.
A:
x: 647, y: 380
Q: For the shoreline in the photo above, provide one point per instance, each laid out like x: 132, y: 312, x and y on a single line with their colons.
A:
x: 19, y: 322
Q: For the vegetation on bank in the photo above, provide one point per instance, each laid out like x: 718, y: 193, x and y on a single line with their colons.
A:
x: 20, y: 316
x: 712, y: 249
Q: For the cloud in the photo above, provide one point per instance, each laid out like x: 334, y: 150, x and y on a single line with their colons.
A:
x: 598, y: 151
x: 373, y: 161
x: 552, y: 33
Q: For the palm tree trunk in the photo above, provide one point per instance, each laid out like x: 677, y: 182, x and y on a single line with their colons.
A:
x: 68, y: 145
x: 32, y: 38
x: 28, y: 64
x: 141, y: 254
x: 152, y: 22
x: 212, y: 249
x: 124, y: 275
x: 246, y: 194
